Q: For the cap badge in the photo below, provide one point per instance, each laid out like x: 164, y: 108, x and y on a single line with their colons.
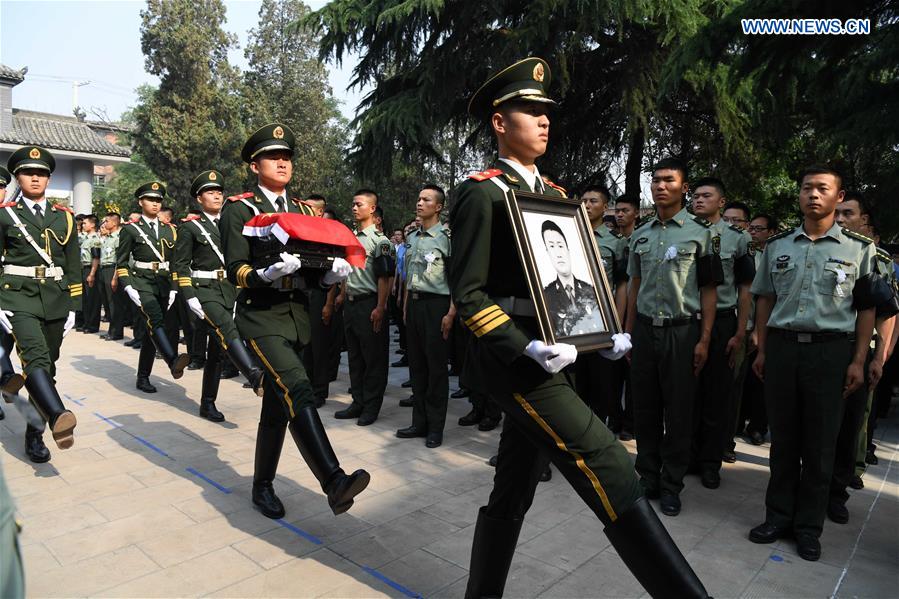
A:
x: 34, y: 154
x: 212, y: 177
x: 538, y: 72
x: 278, y: 132
x: 155, y: 186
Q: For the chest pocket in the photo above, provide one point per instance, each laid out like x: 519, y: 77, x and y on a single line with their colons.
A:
x: 684, y: 259
x: 837, y: 279
x: 436, y: 269
x: 647, y: 260
x: 782, y: 277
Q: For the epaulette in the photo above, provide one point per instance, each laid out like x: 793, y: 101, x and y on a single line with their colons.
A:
x: 642, y: 223
x: 858, y: 236
x: 779, y: 235
x: 191, y: 217
x: 554, y: 186
x: 66, y: 208
x: 7, y: 204
x: 133, y: 221
x: 241, y: 196
x: 882, y: 254
x: 484, y: 175
x: 616, y: 234
x: 447, y: 233
x: 736, y: 228
x: 702, y: 221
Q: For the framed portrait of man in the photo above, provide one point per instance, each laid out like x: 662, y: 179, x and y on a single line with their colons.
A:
x: 558, y: 251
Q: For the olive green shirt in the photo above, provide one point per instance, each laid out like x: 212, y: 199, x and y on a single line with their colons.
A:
x: 86, y: 243
x: 734, y: 244
x: 664, y: 255
x: 363, y: 280
x: 427, y: 259
x: 108, y: 246
x: 813, y: 281
x: 613, y: 252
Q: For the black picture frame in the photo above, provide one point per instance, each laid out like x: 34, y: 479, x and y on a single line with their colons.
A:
x: 590, y: 320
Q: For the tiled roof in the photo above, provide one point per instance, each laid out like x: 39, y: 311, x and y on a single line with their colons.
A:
x: 58, y: 132
x: 11, y: 73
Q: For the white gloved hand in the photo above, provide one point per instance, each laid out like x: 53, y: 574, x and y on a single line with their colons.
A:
x: 196, y: 307
x: 288, y: 265
x: 622, y: 345
x: 172, y: 295
x: 552, y: 358
x: 4, y: 320
x: 340, y: 270
x: 133, y: 294
x: 70, y: 323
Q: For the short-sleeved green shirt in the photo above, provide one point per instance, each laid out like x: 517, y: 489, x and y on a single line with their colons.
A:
x: 664, y: 255
x: 427, y: 258
x: 734, y: 245
x: 813, y: 281
x: 613, y: 251
x: 363, y: 280
x: 108, y: 245
x: 86, y: 243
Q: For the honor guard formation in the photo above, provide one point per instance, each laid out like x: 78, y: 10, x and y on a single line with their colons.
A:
x: 729, y: 325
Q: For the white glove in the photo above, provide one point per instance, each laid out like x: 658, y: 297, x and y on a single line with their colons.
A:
x: 69, y: 325
x: 172, y: 295
x: 196, y: 307
x: 4, y: 320
x: 622, y: 346
x: 340, y: 270
x: 288, y: 265
x: 133, y: 294
x: 552, y: 358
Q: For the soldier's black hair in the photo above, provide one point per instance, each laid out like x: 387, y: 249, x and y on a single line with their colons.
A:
x: 818, y: 169
x: 549, y: 225
x: 738, y: 206
x: 599, y: 188
x: 441, y: 195
x: 629, y: 199
x: 93, y: 218
x: 168, y: 209
x: 316, y: 197
x: 858, y: 197
x: 364, y: 191
x: 674, y: 164
x: 113, y: 213
x: 331, y: 212
x: 770, y: 221
x: 712, y: 182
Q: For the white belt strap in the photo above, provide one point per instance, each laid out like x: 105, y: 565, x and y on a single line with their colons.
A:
x: 34, y: 272
x: 208, y: 237
x: 19, y: 225
x: 154, y: 266
x: 219, y: 274
x: 149, y: 243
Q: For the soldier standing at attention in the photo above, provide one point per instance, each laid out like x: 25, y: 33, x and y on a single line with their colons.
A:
x: 546, y: 420
x: 429, y: 313
x: 149, y: 282
x: 674, y: 269
x: 365, y: 314
x: 200, y: 264
x: 712, y: 413
x: 41, y: 289
x: 273, y: 318
x: 816, y: 290
x: 114, y: 295
x: 89, y: 244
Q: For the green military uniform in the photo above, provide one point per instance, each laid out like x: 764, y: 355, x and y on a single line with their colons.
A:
x: 10, y: 382
x: 273, y: 318
x: 200, y: 264
x: 89, y: 244
x: 428, y: 301
x: 673, y: 260
x: 318, y: 355
x: 144, y: 262
x: 113, y: 300
x: 808, y: 349
x: 41, y: 286
x: 367, y: 350
x: 712, y: 413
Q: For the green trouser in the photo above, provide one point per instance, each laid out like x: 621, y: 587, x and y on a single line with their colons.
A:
x: 37, y: 341
x: 664, y: 390
x: 90, y: 300
x: 804, y: 397
x: 154, y: 300
x: 221, y: 319
x: 12, y: 576
x: 114, y: 300
x: 861, y: 450
x: 367, y: 353
x: 712, y: 410
x: 428, y: 354
x: 852, y: 428
x: 316, y: 356
x: 742, y: 364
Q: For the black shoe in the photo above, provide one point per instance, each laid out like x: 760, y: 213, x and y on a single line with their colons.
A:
x: 410, y: 432
x: 462, y: 392
x: 434, y: 440
x: 35, y: 449
x: 766, y: 532
x: 472, y: 418
x: 492, y: 461
x: 710, y: 478
x: 407, y: 384
x: 366, y: 419
x: 808, y: 547
x: 130, y: 343
x: 837, y: 512
x: 546, y: 475
x: 729, y: 456
x: 756, y: 438
x: 408, y: 402
x: 488, y: 423
x: 137, y: 344
x: 491, y: 554
x: 196, y: 365
x: 404, y: 361
x: 143, y: 384
x: 113, y: 337
x: 268, y: 503
x: 91, y: 331
x: 348, y: 413
x: 857, y: 483
x: 209, y: 411
x: 670, y: 504
x: 871, y: 458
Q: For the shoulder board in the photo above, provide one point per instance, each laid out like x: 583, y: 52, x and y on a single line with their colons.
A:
x: 241, y: 196
x: 858, y: 236
x: 616, y: 234
x: 133, y: 221
x: 447, y: 233
x: 191, y: 217
x: 701, y: 221
x: 642, y: 223
x: 736, y: 228
x: 554, y: 186
x: 8, y: 204
x: 172, y: 227
x: 484, y: 175
x: 66, y: 208
x: 779, y: 235
x: 883, y: 255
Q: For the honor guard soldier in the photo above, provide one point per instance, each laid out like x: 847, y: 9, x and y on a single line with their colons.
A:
x: 817, y: 290
x: 545, y: 417
x: 674, y: 268
x: 149, y: 282
x: 200, y: 264
x: 712, y: 413
x: 41, y: 289
x: 365, y: 314
x: 89, y: 244
x: 429, y: 313
x: 273, y: 318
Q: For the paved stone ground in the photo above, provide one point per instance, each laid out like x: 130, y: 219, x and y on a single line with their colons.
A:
x: 153, y: 501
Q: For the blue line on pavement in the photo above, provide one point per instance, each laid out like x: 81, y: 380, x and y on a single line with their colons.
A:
x: 397, y: 586
x: 151, y: 446
x: 108, y: 421
x: 299, y: 531
x: 199, y: 474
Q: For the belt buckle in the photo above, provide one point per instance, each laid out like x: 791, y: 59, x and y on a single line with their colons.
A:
x: 40, y: 272
x: 220, y: 274
x: 658, y: 321
x: 286, y: 282
x: 804, y: 337
x: 415, y: 295
x: 154, y: 266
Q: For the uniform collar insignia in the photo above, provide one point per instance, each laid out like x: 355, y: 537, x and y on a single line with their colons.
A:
x: 784, y: 258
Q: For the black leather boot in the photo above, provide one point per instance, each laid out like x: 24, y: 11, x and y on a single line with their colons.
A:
x: 46, y: 399
x: 177, y: 362
x: 241, y: 358
x: 210, y: 389
x: 34, y: 445
x: 145, y: 367
x: 491, y: 555
x: 650, y: 554
x: 269, y: 440
x: 312, y: 440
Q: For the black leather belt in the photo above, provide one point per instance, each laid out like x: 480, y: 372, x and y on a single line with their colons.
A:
x: 659, y: 321
x: 516, y: 306
x: 803, y: 337
x: 420, y: 295
x: 360, y: 297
